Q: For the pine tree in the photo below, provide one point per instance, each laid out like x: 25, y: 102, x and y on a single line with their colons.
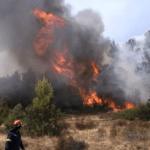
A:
x: 44, y: 93
x: 41, y: 117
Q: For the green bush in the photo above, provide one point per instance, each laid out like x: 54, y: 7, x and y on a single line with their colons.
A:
x: 16, y: 113
x: 41, y: 117
x: 130, y: 114
x: 142, y: 112
x: 4, y: 110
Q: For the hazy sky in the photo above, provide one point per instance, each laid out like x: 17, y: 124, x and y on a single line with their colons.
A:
x: 123, y: 19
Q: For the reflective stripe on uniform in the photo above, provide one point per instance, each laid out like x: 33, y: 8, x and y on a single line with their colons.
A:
x: 9, y: 140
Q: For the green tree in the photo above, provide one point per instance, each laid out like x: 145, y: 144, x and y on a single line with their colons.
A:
x: 41, y: 117
x: 4, y: 110
x: 44, y: 93
x: 16, y: 113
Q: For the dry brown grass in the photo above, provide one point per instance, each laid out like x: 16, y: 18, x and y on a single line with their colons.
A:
x: 69, y: 143
x: 109, y: 115
x: 83, y: 124
x: 99, y: 133
x: 121, y: 123
x: 137, y: 131
x: 113, y: 131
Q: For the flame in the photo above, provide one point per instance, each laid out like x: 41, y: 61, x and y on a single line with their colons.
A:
x: 91, y: 98
x: 62, y: 61
x: 46, y: 34
x: 63, y: 64
x: 128, y: 105
x: 95, y: 70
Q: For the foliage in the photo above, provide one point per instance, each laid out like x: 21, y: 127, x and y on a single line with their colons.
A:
x: 3, y: 112
x: 44, y: 93
x: 16, y: 113
x: 148, y: 103
x: 130, y: 114
x: 41, y: 117
x: 18, y: 88
x: 142, y: 112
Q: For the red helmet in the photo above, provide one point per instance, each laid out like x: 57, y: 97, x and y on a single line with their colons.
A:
x: 17, y: 122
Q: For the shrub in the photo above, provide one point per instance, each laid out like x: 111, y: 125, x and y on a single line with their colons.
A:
x: 41, y: 117
x: 16, y: 113
x: 9, y: 122
x: 130, y: 114
x: 82, y: 125
x: 142, y: 112
x: 4, y: 110
x: 70, y: 144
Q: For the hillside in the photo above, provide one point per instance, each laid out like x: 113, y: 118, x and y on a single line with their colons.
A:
x: 105, y: 132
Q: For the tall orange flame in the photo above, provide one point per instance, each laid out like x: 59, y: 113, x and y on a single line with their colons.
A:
x: 46, y: 34
x: 95, y: 70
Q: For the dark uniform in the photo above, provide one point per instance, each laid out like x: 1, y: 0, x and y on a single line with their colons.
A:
x: 14, y: 139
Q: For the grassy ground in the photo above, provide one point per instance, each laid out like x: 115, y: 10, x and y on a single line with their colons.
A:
x: 103, y: 131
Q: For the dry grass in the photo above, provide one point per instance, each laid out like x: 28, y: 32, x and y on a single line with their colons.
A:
x: 101, y: 132
x: 96, y: 131
x: 137, y: 131
x: 83, y: 124
x: 109, y: 115
x: 121, y: 123
x: 113, y: 131
x: 69, y: 143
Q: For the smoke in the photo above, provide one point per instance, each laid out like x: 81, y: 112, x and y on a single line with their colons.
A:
x: 134, y: 82
x: 19, y: 28
x: 83, y: 35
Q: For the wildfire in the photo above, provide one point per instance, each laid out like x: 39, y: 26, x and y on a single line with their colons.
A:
x: 46, y: 34
x: 92, y: 98
x: 63, y: 61
x: 128, y: 105
x: 95, y: 70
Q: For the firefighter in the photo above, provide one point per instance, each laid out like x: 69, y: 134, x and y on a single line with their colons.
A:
x: 14, y: 141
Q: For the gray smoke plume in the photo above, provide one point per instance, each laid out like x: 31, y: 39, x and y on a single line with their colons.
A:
x: 83, y: 35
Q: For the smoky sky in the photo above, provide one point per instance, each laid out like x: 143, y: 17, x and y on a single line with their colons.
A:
x: 83, y: 34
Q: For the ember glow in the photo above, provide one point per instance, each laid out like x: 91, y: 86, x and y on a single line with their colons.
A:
x: 63, y: 62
